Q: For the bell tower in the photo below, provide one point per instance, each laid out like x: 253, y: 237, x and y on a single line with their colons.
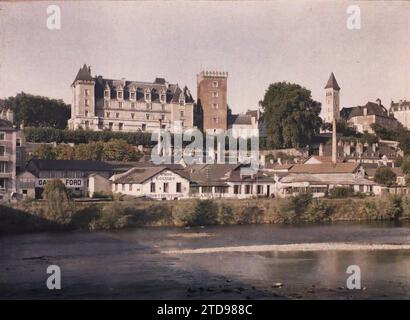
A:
x: 331, y: 108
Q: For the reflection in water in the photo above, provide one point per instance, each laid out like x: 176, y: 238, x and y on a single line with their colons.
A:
x: 132, y: 264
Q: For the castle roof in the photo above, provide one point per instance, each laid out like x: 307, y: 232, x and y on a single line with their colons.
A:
x: 332, y: 83
x: 372, y: 109
x: 84, y: 74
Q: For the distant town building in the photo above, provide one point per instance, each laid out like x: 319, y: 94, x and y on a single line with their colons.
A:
x: 122, y: 105
x: 331, y: 107
x: 244, y: 125
x: 401, y: 111
x: 362, y: 117
x: 212, y: 101
x: 8, y: 151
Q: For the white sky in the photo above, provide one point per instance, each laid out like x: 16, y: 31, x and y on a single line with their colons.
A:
x: 258, y: 43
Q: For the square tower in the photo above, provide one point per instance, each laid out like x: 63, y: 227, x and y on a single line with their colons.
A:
x: 212, y: 98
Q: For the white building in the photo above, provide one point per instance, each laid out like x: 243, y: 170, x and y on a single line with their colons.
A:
x: 157, y: 182
x: 401, y: 111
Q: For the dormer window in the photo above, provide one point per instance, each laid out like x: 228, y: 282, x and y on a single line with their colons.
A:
x: 106, y: 93
x: 162, y: 97
x: 181, y: 100
x: 147, y: 95
x: 119, y: 94
x: 132, y: 95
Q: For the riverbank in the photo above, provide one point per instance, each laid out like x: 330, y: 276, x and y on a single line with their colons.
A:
x: 32, y: 216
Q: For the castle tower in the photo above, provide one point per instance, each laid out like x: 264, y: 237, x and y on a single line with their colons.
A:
x: 83, y: 103
x: 331, y: 108
x: 212, y: 98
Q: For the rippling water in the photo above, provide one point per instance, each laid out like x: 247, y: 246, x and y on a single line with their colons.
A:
x: 309, y: 261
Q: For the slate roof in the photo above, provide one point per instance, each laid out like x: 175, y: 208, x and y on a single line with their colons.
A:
x: 325, y: 168
x: 372, y: 109
x: 317, y: 180
x: 242, y: 119
x: 139, y: 175
x: 332, y: 83
x: 397, y: 106
x: 172, y: 91
x: 210, y: 174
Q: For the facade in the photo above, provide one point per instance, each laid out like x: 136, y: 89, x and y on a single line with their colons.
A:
x: 243, y: 126
x: 401, y: 111
x: 212, y: 100
x: 321, y: 178
x: 8, y: 155
x: 156, y: 182
x: 331, y: 107
x: 122, y: 105
x: 362, y: 117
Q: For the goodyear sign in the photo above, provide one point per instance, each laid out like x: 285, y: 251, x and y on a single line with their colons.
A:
x: 69, y: 182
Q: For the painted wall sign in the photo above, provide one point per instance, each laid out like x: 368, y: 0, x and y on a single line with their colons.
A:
x: 68, y: 182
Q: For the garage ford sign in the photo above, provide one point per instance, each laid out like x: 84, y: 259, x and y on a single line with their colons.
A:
x: 68, y: 182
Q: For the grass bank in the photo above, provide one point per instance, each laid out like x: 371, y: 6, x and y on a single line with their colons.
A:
x: 130, y: 213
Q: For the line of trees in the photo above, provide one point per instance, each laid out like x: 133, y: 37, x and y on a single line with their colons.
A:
x: 112, y: 150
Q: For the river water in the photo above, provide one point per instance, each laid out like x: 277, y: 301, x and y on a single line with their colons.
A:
x: 235, y: 262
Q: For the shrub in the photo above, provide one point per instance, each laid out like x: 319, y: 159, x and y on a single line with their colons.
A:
x: 385, y: 176
x: 226, y: 214
x: 102, y: 195
x: 317, y: 210
x: 58, y: 207
x: 205, y: 212
x: 387, y: 207
x: 405, y: 205
x: 250, y: 215
x: 113, y: 216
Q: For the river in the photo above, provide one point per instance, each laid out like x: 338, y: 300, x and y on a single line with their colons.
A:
x: 224, y: 262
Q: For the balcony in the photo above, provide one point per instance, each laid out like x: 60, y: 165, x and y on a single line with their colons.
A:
x: 5, y: 175
x: 5, y: 158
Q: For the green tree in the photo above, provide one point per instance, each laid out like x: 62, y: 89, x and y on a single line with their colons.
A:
x: 405, y: 165
x: 58, y: 206
x: 385, y: 176
x: 291, y: 115
x: 38, y: 111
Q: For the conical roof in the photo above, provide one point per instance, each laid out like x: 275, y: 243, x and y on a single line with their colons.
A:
x: 84, y: 74
x: 332, y: 83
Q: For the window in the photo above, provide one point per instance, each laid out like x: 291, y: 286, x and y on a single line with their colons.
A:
x: 162, y: 117
x: 106, y: 104
x: 3, y: 167
x: 179, y: 187
x: 2, y: 136
x: 132, y: 115
x: 248, y: 189
x: 148, y: 106
x: 144, y: 127
x: 182, y: 123
x: 162, y: 97
x: 108, y: 114
x: 147, y: 116
x: 120, y: 126
x: 260, y: 189
x: 110, y: 125
x: 181, y: 101
x: 86, y: 92
x: 236, y: 189
x: 162, y: 107
x: 215, y: 120
x: 120, y: 104
x: 106, y: 94
x: 2, y: 184
x: 163, y: 126
x: 147, y: 95
x: 130, y: 187
x: 2, y: 150
x: 152, y: 187
x: 215, y: 94
x: 214, y: 106
x: 166, y: 186
x: 116, y: 187
x: 18, y: 142
x: 215, y: 84
x: 117, y: 115
x: 181, y: 113
x: 132, y: 95
x: 132, y: 105
x: 24, y: 191
x: 123, y: 187
x: 119, y: 94
x: 86, y: 102
x: 86, y: 113
x: 87, y: 125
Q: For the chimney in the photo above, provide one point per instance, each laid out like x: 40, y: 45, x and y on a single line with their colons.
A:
x: 365, y: 111
x: 321, y: 150
x: 10, y: 115
x: 379, y: 102
x: 334, y: 142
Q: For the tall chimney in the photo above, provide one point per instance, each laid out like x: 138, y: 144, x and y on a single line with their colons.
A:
x: 334, y: 142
